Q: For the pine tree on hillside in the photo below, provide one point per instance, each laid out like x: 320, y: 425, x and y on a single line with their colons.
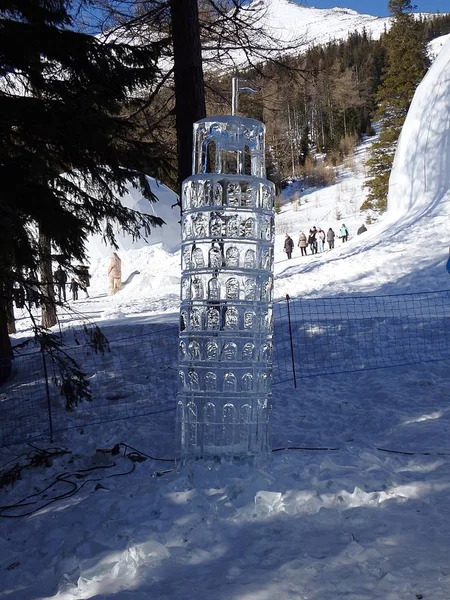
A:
x: 407, y: 63
x: 70, y: 139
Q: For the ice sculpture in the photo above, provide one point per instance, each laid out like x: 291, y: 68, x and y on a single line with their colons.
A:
x: 225, y: 349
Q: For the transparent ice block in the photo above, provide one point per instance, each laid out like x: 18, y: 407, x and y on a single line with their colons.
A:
x: 225, y: 347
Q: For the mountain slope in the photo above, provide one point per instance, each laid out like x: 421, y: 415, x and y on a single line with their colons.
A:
x: 288, y: 20
x: 297, y: 28
x: 408, y: 248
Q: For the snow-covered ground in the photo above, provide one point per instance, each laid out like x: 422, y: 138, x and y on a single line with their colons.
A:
x: 298, y: 25
x: 357, y: 508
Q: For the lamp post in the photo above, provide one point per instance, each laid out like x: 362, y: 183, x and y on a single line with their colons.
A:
x: 236, y: 89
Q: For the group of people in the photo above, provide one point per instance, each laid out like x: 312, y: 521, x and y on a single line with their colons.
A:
x: 316, y: 240
x: 81, y: 279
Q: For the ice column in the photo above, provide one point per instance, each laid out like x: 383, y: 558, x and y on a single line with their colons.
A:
x: 225, y: 346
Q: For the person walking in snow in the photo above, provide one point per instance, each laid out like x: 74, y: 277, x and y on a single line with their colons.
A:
x: 312, y: 241
x: 343, y: 233
x: 74, y: 288
x: 288, y: 245
x: 320, y: 237
x: 302, y: 243
x: 115, y: 274
x: 330, y: 238
x: 83, y: 278
x: 61, y: 280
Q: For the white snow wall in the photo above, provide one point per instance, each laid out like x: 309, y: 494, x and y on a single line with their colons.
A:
x: 168, y: 234
x: 420, y: 175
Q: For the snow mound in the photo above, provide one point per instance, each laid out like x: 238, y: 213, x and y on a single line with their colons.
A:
x: 168, y: 235
x: 436, y: 45
x: 420, y: 177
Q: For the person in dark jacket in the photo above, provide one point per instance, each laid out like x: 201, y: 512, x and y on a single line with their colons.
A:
x: 362, y: 229
x: 288, y: 245
x: 330, y: 238
x: 302, y: 243
x: 61, y: 280
x: 83, y: 278
x: 74, y: 288
x: 312, y: 240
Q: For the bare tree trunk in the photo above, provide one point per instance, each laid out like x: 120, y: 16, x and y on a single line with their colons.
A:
x: 10, y: 317
x: 5, y: 342
x: 189, y: 85
x: 10, y: 307
x: 291, y: 140
x: 48, y: 292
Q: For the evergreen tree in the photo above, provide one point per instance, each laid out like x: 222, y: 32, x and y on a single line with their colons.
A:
x: 70, y: 139
x: 406, y: 65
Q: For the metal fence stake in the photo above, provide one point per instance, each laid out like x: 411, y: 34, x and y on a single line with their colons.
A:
x: 47, y: 389
x: 292, y: 344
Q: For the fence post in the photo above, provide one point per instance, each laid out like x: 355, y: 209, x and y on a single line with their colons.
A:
x: 47, y: 389
x: 290, y: 337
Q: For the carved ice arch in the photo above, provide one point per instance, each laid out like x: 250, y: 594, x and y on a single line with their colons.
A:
x: 232, y: 289
x: 232, y: 257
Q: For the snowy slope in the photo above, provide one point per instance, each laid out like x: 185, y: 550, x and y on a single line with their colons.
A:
x: 418, y: 213
x: 296, y: 28
x: 289, y: 20
x: 436, y: 45
x: 165, y: 208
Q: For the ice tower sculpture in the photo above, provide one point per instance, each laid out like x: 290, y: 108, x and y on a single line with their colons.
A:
x: 225, y: 346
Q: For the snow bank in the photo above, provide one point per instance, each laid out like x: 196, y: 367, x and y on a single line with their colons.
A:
x: 168, y: 234
x: 420, y: 177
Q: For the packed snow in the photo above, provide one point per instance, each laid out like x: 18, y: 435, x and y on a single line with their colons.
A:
x: 359, y: 510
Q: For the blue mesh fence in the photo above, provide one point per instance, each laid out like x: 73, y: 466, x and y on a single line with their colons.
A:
x: 341, y: 335
x: 137, y: 376
x: 23, y: 400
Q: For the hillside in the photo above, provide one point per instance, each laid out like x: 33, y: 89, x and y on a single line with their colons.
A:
x: 318, y: 25
x: 287, y: 21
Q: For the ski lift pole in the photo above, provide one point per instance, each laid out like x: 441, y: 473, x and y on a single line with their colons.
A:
x: 47, y: 391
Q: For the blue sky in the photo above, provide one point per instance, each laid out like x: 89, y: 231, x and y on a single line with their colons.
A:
x: 378, y: 7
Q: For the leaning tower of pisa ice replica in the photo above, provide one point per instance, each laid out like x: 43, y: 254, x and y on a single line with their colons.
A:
x: 226, y: 292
